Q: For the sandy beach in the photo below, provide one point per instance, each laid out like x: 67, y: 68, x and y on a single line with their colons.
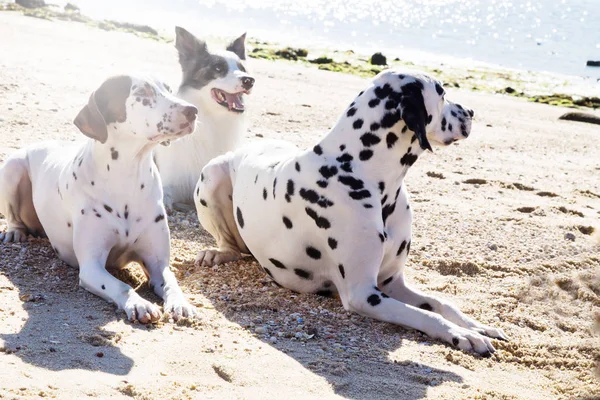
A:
x: 506, y: 225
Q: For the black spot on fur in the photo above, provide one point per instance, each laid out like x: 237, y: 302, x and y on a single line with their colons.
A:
x: 387, y: 210
x: 391, y: 139
x: 381, y: 187
x: 347, y: 167
x: 342, y: 271
x: 408, y: 248
x: 201, y: 177
x: 390, y: 119
x: 358, y: 124
x: 455, y: 341
x: 98, y: 215
x: 203, y: 202
x: 107, y: 167
x: 342, y: 147
x: 375, y: 126
x: 364, y: 155
x: 385, y: 296
x: 390, y: 104
x: 82, y: 211
x: 368, y: 139
x: 107, y: 208
x: 321, y: 222
x: 361, y: 194
x: 255, y: 179
x: 126, y: 213
x: 408, y: 159
x: 439, y: 89
x: 328, y: 171
x: 298, y: 167
x: 114, y: 154
x: 142, y: 187
x: 197, y: 191
x: 277, y: 263
x: 287, y: 222
x: 302, y: 273
x: 103, y: 287
x: 388, y: 280
x: 367, y: 205
x: 450, y: 127
x: 265, y: 193
x: 332, y: 243
x: 74, y: 175
x: 240, y: 218
x: 401, y: 248
x: 274, y: 186
x: 159, y: 218
x: 352, y: 182
x: 374, y: 299
x: 345, y: 158
x: 426, y: 307
x: 309, y: 195
x: 322, y: 183
x: 290, y: 190
x: 69, y: 224
x: 351, y: 112
x: 318, y: 150
x: 268, y: 272
x: 374, y: 102
x: 383, y: 91
x: 381, y: 237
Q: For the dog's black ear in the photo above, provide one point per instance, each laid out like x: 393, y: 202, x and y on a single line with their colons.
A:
x: 238, y: 46
x: 90, y: 121
x: 188, y: 45
x: 414, y: 112
x: 106, y: 105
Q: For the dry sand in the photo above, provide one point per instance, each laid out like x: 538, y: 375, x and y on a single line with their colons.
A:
x: 491, y: 218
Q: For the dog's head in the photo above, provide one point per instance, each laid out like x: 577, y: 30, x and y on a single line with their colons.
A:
x: 126, y: 107
x: 420, y: 102
x: 219, y: 78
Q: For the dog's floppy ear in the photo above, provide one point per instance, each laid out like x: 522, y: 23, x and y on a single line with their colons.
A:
x: 414, y: 112
x: 238, y: 46
x: 105, y: 106
x: 90, y: 121
x: 188, y: 45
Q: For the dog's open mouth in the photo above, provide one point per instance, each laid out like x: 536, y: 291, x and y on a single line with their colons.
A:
x: 233, y: 101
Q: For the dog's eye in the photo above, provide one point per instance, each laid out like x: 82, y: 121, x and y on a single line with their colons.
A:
x: 218, y: 68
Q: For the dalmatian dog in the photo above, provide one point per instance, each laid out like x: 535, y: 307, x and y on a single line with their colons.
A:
x: 336, y: 218
x: 99, y: 202
x: 216, y: 83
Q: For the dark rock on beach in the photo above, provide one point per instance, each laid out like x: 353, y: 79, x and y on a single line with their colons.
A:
x: 378, y: 59
x: 581, y: 117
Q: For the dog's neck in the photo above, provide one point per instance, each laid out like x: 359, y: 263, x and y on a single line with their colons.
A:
x: 379, y: 157
x: 129, y: 160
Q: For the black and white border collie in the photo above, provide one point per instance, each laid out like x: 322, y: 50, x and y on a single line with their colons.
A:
x: 214, y: 82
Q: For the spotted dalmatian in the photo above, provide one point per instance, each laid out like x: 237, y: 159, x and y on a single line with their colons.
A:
x: 336, y: 218
x: 99, y: 201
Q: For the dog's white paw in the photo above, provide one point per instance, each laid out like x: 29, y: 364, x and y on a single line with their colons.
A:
x: 138, y: 309
x: 494, y: 333
x: 13, y: 235
x: 215, y: 257
x: 469, y: 340
x: 180, y: 308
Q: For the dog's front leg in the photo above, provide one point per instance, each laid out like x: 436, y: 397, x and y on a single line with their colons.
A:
x: 92, y: 254
x: 398, y: 290
x: 154, y: 249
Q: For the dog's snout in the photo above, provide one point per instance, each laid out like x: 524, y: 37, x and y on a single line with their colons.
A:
x: 247, y: 82
x: 190, y: 113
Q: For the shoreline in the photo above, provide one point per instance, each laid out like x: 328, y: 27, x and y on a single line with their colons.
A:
x: 540, y: 87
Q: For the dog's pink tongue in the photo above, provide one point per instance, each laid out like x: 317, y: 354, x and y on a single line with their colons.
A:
x: 234, y: 101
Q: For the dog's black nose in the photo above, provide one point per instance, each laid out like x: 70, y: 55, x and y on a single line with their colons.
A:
x: 190, y: 113
x: 247, y: 82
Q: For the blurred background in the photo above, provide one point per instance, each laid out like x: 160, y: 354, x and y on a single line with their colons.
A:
x: 545, y: 35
